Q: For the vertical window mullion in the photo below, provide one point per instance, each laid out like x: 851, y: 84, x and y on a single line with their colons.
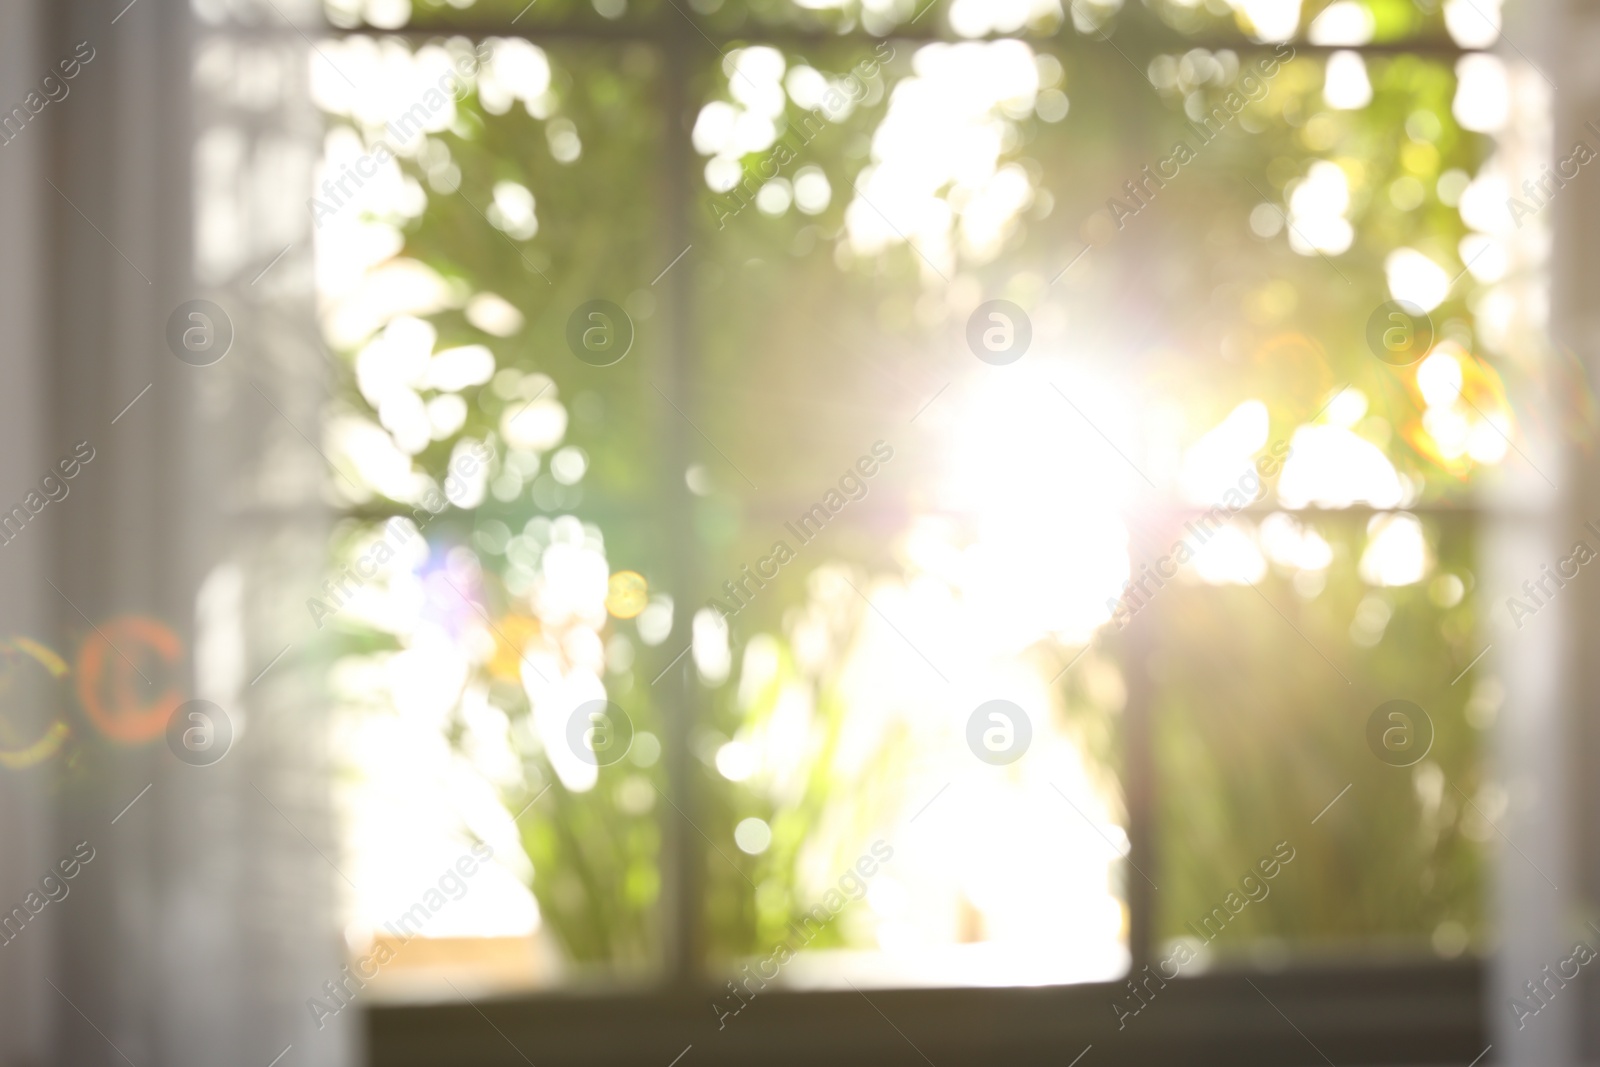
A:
x: 682, y: 853
x: 1139, y: 790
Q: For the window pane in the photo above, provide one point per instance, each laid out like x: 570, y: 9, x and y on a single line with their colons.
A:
x: 889, y: 516
x: 1325, y: 806
x: 962, y: 331
x: 449, y: 278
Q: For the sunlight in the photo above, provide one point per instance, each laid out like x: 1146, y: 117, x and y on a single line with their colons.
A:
x: 1269, y: 20
x: 978, y: 18
x: 1343, y: 22
x: 1022, y: 550
x: 1317, y: 205
x: 1347, y: 87
x: 1416, y: 279
x: 936, y: 155
x: 1473, y: 23
x: 972, y: 893
x: 1230, y: 557
x: 1050, y: 544
x: 1213, y: 464
x: 1467, y: 417
x: 1332, y: 467
x: 1483, y: 95
x: 1290, y: 544
x: 1397, y: 551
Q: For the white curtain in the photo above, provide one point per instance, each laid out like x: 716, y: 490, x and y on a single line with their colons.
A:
x: 173, y: 169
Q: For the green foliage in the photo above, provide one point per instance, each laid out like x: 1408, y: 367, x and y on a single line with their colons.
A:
x: 806, y: 355
x: 1256, y: 733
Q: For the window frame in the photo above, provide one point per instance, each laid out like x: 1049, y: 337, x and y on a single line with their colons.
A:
x: 1368, y: 1012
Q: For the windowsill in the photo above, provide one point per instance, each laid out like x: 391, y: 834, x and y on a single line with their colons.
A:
x: 1380, y: 1013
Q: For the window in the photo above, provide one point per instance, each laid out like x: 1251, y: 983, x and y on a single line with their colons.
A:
x: 953, y: 491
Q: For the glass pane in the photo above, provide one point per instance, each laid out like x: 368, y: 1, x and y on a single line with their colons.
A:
x: 910, y: 545
x: 448, y: 280
x: 1319, y: 806
x: 964, y: 329
x: 1224, y: 310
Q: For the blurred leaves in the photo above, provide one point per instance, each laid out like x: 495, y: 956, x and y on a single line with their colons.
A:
x: 806, y: 352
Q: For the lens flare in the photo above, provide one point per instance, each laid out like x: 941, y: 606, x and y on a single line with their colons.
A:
x: 511, y: 636
x: 131, y: 706
x: 627, y: 593
x: 19, y: 688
